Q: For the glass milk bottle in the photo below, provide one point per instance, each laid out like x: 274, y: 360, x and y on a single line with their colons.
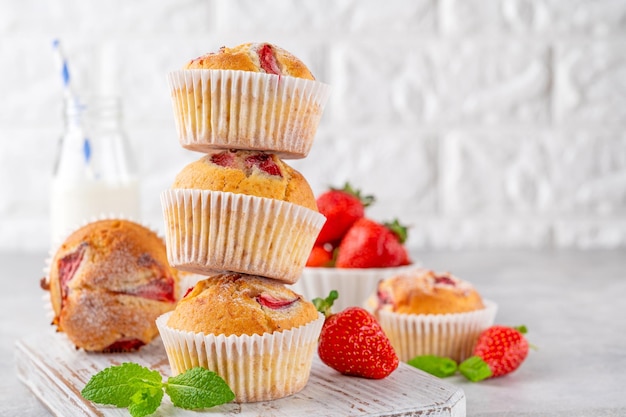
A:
x: 94, y: 174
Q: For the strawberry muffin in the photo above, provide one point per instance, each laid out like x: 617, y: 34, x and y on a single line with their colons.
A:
x: 254, y: 332
x: 255, y: 96
x: 108, y: 283
x: 424, y: 312
x: 240, y: 211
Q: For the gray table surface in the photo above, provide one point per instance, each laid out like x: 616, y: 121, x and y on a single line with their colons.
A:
x: 574, y: 304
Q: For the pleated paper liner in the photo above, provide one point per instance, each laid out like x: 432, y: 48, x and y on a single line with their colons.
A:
x: 256, y: 367
x: 449, y: 335
x: 210, y: 231
x: 227, y: 109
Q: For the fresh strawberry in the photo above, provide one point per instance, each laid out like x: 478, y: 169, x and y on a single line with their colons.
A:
x: 353, y: 343
x: 499, y: 350
x: 321, y: 256
x: 369, y: 244
x: 342, y: 207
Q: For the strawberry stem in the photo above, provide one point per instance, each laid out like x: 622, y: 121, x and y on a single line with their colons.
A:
x: 475, y: 369
x: 522, y: 329
x: 398, y: 229
x: 366, y: 200
x: 324, y: 305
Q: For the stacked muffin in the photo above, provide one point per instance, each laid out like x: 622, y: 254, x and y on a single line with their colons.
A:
x: 243, y: 215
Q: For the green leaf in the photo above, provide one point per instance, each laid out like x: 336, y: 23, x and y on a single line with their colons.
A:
x: 475, y: 369
x: 117, y: 385
x: 522, y: 329
x: 398, y: 229
x: 324, y: 305
x: 198, y: 388
x: 146, y: 401
x: 435, y: 365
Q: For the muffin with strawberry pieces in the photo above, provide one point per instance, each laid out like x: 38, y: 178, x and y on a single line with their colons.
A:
x: 108, y: 282
x: 352, y: 252
x: 241, y: 211
x: 424, y: 312
x: 254, y: 96
x: 254, y: 332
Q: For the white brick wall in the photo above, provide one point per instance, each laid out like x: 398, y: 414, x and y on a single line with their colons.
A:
x: 480, y: 123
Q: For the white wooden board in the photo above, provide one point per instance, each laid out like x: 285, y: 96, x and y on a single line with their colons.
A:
x: 56, y: 372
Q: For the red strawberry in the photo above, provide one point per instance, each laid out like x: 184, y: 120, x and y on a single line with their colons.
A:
x: 321, y: 256
x: 499, y: 351
x: 369, y: 244
x: 342, y: 207
x: 353, y: 343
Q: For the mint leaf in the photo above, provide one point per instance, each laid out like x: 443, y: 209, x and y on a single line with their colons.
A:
x: 324, y: 305
x: 146, y: 401
x: 435, y: 365
x: 117, y: 385
x: 475, y: 369
x: 198, y: 388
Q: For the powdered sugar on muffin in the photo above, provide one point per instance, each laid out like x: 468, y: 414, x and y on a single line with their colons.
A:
x: 108, y: 282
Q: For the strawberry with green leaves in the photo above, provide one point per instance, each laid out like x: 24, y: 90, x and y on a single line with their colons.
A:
x: 369, y: 244
x: 342, y: 207
x: 353, y: 343
x: 499, y: 350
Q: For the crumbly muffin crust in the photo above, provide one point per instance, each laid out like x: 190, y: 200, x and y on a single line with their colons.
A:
x: 238, y: 304
x: 256, y: 57
x: 247, y: 172
x: 108, y: 282
x: 423, y: 291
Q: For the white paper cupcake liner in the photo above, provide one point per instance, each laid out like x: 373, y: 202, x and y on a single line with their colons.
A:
x: 449, y: 335
x: 256, y: 367
x: 228, y: 109
x: 211, y: 231
x: 353, y: 285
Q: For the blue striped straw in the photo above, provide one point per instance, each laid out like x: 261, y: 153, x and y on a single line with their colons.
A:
x: 68, y: 91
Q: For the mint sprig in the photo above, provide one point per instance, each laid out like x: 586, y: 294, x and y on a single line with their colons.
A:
x: 141, y: 389
x: 438, y: 366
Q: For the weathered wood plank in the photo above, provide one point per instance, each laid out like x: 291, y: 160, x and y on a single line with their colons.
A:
x: 56, y: 372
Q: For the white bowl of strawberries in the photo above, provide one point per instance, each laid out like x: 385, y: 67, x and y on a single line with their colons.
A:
x: 352, y: 252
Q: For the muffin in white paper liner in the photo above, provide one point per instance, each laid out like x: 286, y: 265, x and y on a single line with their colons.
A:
x: 228, y: 109
x: 211, y: 231
x: 353, y: 284
x: 449, y: 335
x: 256, y: 367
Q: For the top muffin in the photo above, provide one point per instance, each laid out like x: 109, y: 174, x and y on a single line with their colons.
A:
x: 255, y: 57
x: 255, y: 96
